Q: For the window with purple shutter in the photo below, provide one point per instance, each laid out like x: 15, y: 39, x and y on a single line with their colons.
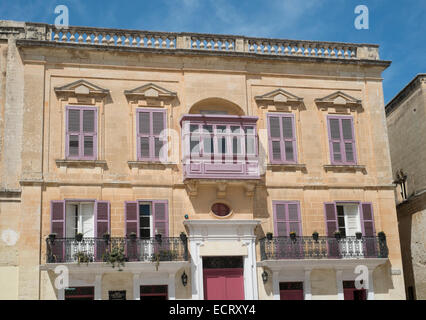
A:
x: 161, y: 218
x: 341, y: 139
x: 81, y: 133
x: 150, y: 124
x: 282, y: 138
x: 132, y: 218
x: 287, y: 218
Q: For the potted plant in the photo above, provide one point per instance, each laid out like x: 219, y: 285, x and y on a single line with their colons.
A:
x: 106, y: 236
x: 315, y: 236
x: 133, y: 236
x: 158, y: 237
x: 358, y: 235
x: 82, y: 257
x: 79, y: 237
x: 116, y: 257
x: 337, y: 235
x: 381, y: 235
x: 293, y: 235
x: 183, y: 236
x: 269, y: 236
x: 52, y: 237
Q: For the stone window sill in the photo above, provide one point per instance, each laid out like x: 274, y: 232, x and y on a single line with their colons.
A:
x: 287, y: 167
x: 345, y: 168
x: 151, y: 164
x: 81, y: 163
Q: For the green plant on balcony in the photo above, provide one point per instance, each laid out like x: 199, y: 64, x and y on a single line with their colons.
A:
x: 79, y: 237
x: 163, y: 255
x: 82, y: 257
x: 115, y: 257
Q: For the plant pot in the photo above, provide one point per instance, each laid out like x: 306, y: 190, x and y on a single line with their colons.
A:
x: 292, y: 236
x: 358, y: 235
x: 269, y: 236
x: 381, y: 235
x: 158, y: 237
x: 315, y: 236
x: 133, y: 236
x: 183, y: 237
x: 52, y: 237
x: 79, y: 237
x: 106, y: 237
x: 338, y: 236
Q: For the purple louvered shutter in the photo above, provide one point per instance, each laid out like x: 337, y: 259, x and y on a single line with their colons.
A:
x: 102, y: 226
x: 144, y: 131
x: 102, y: 218
x: 280, y: 221
x: 332, y: 225
x: 132, y: 217
x: 161, y: 218
x: 73, y: 133
x: 57, y: 220
x: 335, y: 141
x: 348, y: 140
x: 330, y: 218
x: 289, y: 138
x: 89, y: 133
x: 132, y: 225
x: 274, y: 133
x: 158, y: 125
x: 367, y: 225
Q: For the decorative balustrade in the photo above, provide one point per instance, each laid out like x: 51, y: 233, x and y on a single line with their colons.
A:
x: 88, y: 250
x: 191, y: 41
x: 279, y: 248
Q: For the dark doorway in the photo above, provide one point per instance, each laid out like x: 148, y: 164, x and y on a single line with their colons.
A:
x: 154, y: 292
x: 80, y: 293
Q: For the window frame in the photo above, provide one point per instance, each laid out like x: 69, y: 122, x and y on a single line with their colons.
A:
x: 151, y: 136
x: 81, y: 134
x: 342, y: 141
x: 282, y: 140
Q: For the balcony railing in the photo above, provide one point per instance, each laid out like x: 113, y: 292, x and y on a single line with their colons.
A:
x: 279, y: 248
x: 64, y: 250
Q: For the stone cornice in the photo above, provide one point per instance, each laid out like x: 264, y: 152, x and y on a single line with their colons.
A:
x: 404, y: 93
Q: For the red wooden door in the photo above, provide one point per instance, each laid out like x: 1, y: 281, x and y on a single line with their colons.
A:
x: 224, y: 284
x: 291, y: 295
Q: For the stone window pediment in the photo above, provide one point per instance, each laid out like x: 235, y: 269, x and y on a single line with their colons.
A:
x: 81, y: 88
x: 278, y: 98
x: 149, y: 93
x: 339, y: 100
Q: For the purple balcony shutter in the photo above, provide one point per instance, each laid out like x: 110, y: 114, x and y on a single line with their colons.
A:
x: 144, y: 132
x: 280, y: 220
x: 102, y: 218
x: 73, y: 141
x: 161, y: 218
x: 330, y: 218
x: 367, y: 225
x: 102, y: 226
x: 132, y: 217
x: 367, y: 219
x: 57, y: 225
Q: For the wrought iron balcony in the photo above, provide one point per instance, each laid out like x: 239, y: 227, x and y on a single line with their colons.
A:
x: 279, y: 248
x: 88, y: 250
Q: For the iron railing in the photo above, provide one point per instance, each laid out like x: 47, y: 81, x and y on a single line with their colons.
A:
x: 279, y: 248
x: 62, y: 250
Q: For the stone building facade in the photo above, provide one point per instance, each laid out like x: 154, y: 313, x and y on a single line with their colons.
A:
x: 216, y: 166
x: 405, y: 116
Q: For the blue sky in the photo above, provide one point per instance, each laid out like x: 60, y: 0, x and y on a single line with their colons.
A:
x: 398, y: 26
